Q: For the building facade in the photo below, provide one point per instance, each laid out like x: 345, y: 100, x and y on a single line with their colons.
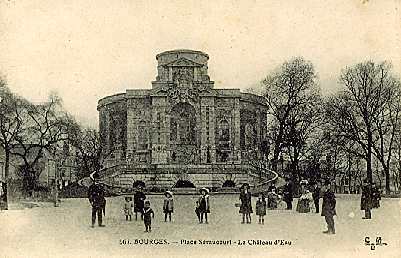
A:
x: 182, y: 128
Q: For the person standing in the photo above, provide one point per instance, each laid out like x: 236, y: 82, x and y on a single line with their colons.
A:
x: 128, y: 208
x: 246, y: 205
x: 329, y: 208
x: 271, y: 193
x: 96, y: 198
x: 288, y: 194
x: 168, y: 205
x: 303, y: 205
x: 147, y: 214
x: 139, y: 198
x: 261, y: 208
x: 366, y: 199
x: 203, y: 202
x: 376, y: 196
x: 272, y: 187
x: 316, y: 196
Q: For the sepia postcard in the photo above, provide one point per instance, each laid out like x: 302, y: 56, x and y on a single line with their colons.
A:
x: 134, y: 128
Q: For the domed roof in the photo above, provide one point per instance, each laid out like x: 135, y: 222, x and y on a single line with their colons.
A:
x: 182, y: 51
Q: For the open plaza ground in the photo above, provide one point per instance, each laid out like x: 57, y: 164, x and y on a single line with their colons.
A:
x: 65, y: 231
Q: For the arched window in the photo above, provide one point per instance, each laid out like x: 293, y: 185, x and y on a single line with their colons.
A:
x: 182, y: 124
x: 142, y: 136
x: 224, y: 130
x: 250, y: 135
x: 173, y: 128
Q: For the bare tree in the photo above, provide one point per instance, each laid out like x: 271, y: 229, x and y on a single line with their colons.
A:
x: 44, y: 126
x: 387, y: 127
x: 90, y: 152
x: 10, y: 128
x: 356, y: 113
x: 292, y: 94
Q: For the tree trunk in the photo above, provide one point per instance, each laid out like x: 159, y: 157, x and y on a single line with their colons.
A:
x: 387, y: 173
x: 6, y: 179
x: 277, y: 148
x: 369, y: 158
x: 349, y: 174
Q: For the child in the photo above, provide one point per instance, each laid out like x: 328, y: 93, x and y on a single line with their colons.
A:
x: 273, y: 199
x: 197, y: 211
x: 147, y: 215
x: 261, y: 208
x: 168, y: 205
x: 128, y: 208
x: 204, y: 207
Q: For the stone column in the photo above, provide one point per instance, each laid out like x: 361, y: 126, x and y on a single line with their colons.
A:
x: 198, y: 131
x: 107, y: 127
x: 203, y: 134
x: 167, y: 130
x: 158, y: 146
x: 131, y: 128
x: 212, y: 136
x: 237, y: 131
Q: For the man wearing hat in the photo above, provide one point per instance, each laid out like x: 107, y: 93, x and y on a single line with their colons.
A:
x: 329, y: 208
x: 96, y: 199
x: 288, y: 194
x: 316, y: 196
x: 366, y: 199
x: 272, y: 189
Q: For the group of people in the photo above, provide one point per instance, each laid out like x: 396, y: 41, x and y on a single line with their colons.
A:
x: 139, y: 204
x: 309, y: 194
x: 370, y: 198
x: 262, y: 203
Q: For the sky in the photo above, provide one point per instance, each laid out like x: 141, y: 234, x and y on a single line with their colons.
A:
x: 86, y: 50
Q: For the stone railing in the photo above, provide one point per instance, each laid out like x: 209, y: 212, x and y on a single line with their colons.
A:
x: 265, y: 175
x: 107, y: 174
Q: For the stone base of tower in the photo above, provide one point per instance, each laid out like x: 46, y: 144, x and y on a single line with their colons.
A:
x: 166, y: 176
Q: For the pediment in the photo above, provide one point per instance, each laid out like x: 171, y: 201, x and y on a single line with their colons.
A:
x: 183, y: 62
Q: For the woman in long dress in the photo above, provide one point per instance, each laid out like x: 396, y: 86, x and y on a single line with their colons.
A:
x: 246, y: 205
x: 139, y: 199
x: 305, y: 200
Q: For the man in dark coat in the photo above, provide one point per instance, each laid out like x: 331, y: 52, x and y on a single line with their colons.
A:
x: 329, y: 208
x: 376, y: 196
x: 271, y: 189
x: 316, y: 196
x: 288, y: 194
x: 97, y: 200
x: 366, y: 199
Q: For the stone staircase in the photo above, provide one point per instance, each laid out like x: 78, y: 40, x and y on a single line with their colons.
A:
x: 259, y: 177
x: 262, y: 178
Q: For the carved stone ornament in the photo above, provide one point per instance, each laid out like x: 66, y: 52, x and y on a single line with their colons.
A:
x: 204, y: 88
x: 177, y: 95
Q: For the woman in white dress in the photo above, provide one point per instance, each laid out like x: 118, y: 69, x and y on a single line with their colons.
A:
x: 305, y: 199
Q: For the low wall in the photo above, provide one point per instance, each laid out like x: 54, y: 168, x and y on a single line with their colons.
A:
x: 165, y: 177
